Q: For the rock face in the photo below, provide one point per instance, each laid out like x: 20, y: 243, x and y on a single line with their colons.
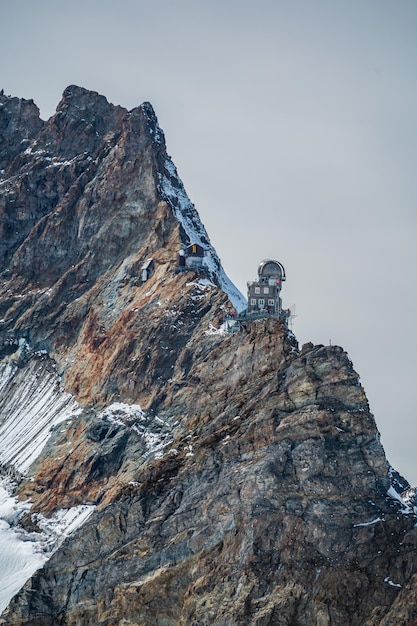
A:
x: 82, y: 208
x: 236, y: 479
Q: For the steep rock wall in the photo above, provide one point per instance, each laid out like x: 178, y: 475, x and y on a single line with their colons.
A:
x: 268, y: 505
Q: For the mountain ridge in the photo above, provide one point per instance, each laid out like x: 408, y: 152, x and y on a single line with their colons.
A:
x: 229, y: 478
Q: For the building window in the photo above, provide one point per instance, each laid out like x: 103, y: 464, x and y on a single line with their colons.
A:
x: 253, y: 301
x: 261, y: 303
x: 270, y: 302
x: 257, y: 290
x: 266, y: 289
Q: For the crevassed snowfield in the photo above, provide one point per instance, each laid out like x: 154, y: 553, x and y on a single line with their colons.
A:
x: 32, y: 402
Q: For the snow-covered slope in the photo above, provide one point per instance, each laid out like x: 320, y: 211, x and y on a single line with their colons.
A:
x: 32, y: 402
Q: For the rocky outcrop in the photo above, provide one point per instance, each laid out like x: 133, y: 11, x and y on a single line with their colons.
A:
x: 236, y: 479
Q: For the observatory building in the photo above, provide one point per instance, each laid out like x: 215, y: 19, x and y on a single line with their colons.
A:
x: 264, y: 298
x: 264, y: 293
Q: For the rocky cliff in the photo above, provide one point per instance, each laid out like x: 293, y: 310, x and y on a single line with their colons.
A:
x: 228, y: 479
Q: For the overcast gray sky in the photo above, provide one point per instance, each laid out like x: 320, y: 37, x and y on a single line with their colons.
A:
x: 293, y: 126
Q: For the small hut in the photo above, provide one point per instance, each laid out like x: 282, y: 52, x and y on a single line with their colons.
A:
x: 191, y: 258
x: 147, y: 270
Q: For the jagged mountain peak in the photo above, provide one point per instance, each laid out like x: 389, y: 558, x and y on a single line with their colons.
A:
x: 75, y: 95
x: 84, y: 206
x: 166, y: 471
x: 84, y: 139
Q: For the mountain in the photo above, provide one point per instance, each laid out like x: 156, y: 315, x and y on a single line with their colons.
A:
x: 157, y: 469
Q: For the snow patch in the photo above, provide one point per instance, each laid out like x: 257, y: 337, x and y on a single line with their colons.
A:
x: 374, y: 521
x: 122, y: 413
x: 205, y: 282
x: 152, y: 429
x: 154, y: 444
x: 62, y: 524
x: 212, y: 330
x: 395, y: 495
x: 405, y: 508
